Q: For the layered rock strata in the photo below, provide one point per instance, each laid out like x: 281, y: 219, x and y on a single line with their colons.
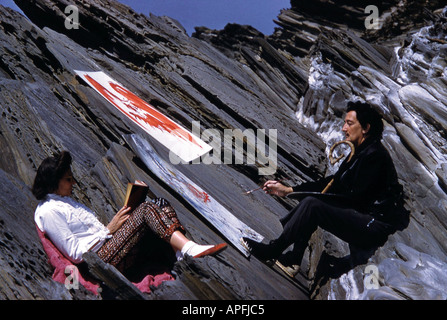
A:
x: 297, y: 81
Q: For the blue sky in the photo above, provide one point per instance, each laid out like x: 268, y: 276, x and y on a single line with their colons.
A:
x: 214, y: 14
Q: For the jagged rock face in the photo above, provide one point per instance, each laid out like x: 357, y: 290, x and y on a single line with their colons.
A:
x: 406, y: 81
x: 296, y: 81
x: 45, y: 108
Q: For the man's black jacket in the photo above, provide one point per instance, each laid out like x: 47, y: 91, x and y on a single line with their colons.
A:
x: 368, y: 182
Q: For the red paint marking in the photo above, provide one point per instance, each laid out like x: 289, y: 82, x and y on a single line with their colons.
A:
x: 149, y: 115
x: 199, y: 194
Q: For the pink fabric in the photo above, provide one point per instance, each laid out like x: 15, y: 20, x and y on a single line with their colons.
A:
x: 59, y: 262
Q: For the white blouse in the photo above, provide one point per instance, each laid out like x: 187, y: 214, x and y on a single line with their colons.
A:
x: 71, y: 226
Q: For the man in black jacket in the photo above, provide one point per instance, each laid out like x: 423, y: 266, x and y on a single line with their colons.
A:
x: 362, y: 205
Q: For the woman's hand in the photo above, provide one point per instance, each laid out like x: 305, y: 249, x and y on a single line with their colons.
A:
x: 119, y: 219
x: 276, y: 188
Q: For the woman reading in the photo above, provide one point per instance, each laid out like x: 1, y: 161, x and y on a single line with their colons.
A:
x: 74, y: 229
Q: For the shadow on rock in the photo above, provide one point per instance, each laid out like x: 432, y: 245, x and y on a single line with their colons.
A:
x: 332, y: 267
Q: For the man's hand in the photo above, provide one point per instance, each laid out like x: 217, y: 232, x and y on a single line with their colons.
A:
x: 276, y: 188
x: 119, y: 219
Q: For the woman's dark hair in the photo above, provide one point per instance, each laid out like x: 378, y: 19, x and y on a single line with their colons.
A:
x: 49, y: 173
x: 367, y: 115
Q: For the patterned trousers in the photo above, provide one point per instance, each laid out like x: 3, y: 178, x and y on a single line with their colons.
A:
x: 158, y: 217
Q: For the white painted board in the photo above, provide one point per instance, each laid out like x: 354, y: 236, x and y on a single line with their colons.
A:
x: 223, y: 220
x: 173, y: 136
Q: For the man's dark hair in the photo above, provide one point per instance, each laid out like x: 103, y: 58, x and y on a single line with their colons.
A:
x: 367, y: 115
x: 49, y: 173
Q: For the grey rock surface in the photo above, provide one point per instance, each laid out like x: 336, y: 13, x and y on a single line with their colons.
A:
x: 297, y: 81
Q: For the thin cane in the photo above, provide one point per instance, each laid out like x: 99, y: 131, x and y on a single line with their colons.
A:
x: 334, y: 161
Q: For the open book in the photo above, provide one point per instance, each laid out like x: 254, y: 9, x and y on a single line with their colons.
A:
x: 136, y: 194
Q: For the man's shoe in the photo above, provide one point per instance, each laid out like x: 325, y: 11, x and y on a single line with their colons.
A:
x: 260, y: 250
x: 291, y: 270
x: 287, y: 264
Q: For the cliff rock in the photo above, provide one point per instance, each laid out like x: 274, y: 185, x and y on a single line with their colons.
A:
x: 297, y: 81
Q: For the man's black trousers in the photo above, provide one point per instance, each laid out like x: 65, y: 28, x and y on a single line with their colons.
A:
x: 358, y: 229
